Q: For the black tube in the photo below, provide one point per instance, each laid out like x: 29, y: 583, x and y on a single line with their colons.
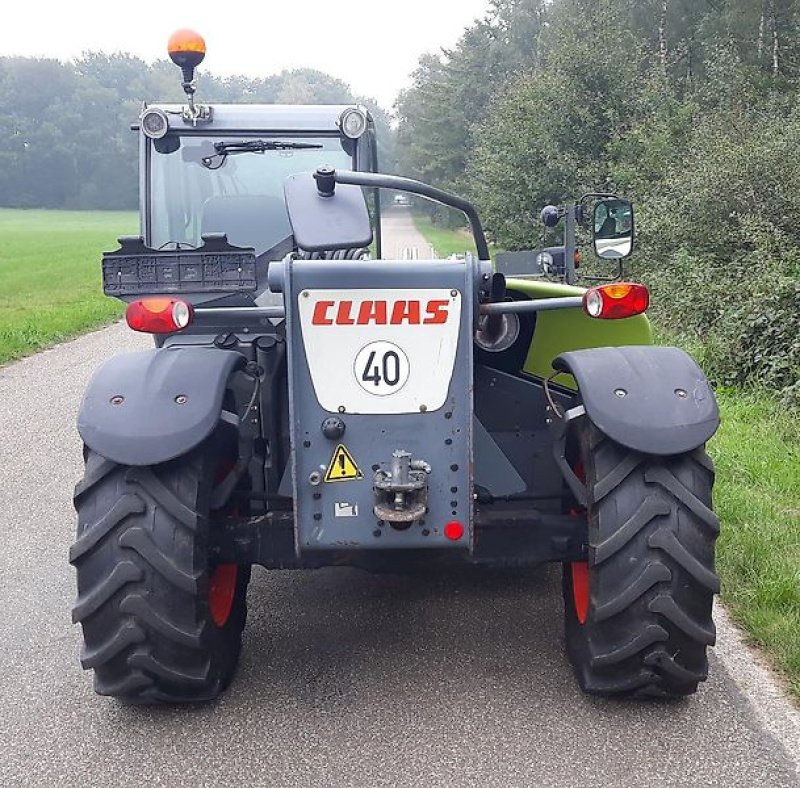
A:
x: 536, y: 305
x: 379, y: 180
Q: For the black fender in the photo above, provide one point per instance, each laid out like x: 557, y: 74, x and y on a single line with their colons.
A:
x: 654, y: 400
x: 149, y: 407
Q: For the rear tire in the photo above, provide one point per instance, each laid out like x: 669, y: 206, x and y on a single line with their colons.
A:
x: 153, y: 630
x: 643, y: 625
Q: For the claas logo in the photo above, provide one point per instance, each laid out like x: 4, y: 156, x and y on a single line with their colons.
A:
x: 380, y: 313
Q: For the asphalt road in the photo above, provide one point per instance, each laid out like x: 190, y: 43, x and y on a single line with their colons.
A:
x: 401, y: 239
x: 345, y: 679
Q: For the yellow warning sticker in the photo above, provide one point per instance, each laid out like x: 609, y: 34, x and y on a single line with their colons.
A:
x: 342, y: 467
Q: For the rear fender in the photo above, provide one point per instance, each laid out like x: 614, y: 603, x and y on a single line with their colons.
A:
x: 654, y: 400
x: 150, y: 407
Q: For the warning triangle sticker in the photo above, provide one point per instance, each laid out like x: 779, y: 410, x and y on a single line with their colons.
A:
x: 342, y: 467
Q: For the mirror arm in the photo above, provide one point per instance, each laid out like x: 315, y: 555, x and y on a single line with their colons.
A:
x: 379, y: 180
x: 618, y: 277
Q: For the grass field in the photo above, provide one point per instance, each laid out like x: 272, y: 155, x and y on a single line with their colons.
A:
x: 50, y: 286
x: 757, y: 496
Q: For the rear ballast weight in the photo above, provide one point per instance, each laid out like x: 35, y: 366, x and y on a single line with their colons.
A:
x: 306, y: 406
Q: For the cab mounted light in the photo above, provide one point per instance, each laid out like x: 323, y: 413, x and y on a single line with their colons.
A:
x: 353, y: 122
x: 186, y: 50
x: 159, y: 315
x: 616, y: 301
x: 154, y: 123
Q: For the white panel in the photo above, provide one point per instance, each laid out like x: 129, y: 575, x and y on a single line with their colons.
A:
x: 380, y: 351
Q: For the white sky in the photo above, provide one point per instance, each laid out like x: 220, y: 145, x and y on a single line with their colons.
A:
x: 371, y: 44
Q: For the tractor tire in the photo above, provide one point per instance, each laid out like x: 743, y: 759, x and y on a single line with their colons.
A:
x: 638, y: 614
x: 161, y: 623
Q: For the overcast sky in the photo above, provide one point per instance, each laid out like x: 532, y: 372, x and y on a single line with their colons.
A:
x: 371, y: 44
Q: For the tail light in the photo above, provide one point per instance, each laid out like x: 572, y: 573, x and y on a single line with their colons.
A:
x: 159, y: 315
x: 616, y: 301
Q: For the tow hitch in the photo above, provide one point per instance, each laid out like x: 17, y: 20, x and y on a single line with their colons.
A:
x: 401, y: 493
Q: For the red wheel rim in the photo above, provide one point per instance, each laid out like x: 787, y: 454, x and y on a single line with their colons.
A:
x: 580, y: 589
x: 222, y: 593
x: 580, y: 569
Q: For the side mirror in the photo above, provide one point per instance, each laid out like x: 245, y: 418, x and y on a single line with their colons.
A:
x: 326, y: 216
x: 613, y: 229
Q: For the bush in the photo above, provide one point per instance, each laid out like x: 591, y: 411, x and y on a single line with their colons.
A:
x: 720, y: 244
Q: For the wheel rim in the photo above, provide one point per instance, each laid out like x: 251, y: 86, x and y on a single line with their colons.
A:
x: 580, y: 569
x: 222, y: 593
x: 580, y: 589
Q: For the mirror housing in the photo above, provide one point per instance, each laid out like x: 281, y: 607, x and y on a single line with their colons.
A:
x: 326, y: 216
x: 613, y: 229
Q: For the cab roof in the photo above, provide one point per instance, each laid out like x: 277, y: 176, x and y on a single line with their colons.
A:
x: 259, y: 118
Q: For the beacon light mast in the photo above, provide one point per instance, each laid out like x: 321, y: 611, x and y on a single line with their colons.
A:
x: 187, y: 50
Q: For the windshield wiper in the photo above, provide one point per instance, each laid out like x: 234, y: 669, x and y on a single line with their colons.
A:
x: 225, y: 149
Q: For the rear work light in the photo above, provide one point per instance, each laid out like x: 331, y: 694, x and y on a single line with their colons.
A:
x: 616, y: 301
x: 159, y: 315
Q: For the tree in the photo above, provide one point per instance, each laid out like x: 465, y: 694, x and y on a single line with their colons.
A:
x: 66, y: 126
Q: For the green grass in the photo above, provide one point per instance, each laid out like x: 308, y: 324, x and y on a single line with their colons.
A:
x: 443, y: 240
x: 50, y: 285
x: 757, y: 496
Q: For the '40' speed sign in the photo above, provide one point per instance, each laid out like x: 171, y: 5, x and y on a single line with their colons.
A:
x: 380, y: 351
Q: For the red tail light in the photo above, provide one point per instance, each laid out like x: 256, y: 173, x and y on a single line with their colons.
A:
x: 616, y: 301
x: 159, y: 315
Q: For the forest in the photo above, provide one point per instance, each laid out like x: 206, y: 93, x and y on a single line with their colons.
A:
x: 66, y: 126
x: 687, y: 107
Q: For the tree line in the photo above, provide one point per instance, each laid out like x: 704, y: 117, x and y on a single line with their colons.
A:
x: 65, y: 127
x: 690, y: 107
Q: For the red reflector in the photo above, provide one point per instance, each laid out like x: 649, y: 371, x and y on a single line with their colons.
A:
x: 159, y: 315
x: 454, y: 530
x: 580, y: 589
x: 222, y: 593
x: 616, y: 301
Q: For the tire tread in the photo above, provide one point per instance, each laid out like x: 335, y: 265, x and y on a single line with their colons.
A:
x: 652, y: 576
x: 142, y: 565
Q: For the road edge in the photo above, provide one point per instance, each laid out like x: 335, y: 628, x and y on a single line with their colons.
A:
x: 751, y: 672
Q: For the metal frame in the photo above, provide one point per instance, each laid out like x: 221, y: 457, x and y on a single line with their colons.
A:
x: 532, y: 525
x: 509, y: 537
